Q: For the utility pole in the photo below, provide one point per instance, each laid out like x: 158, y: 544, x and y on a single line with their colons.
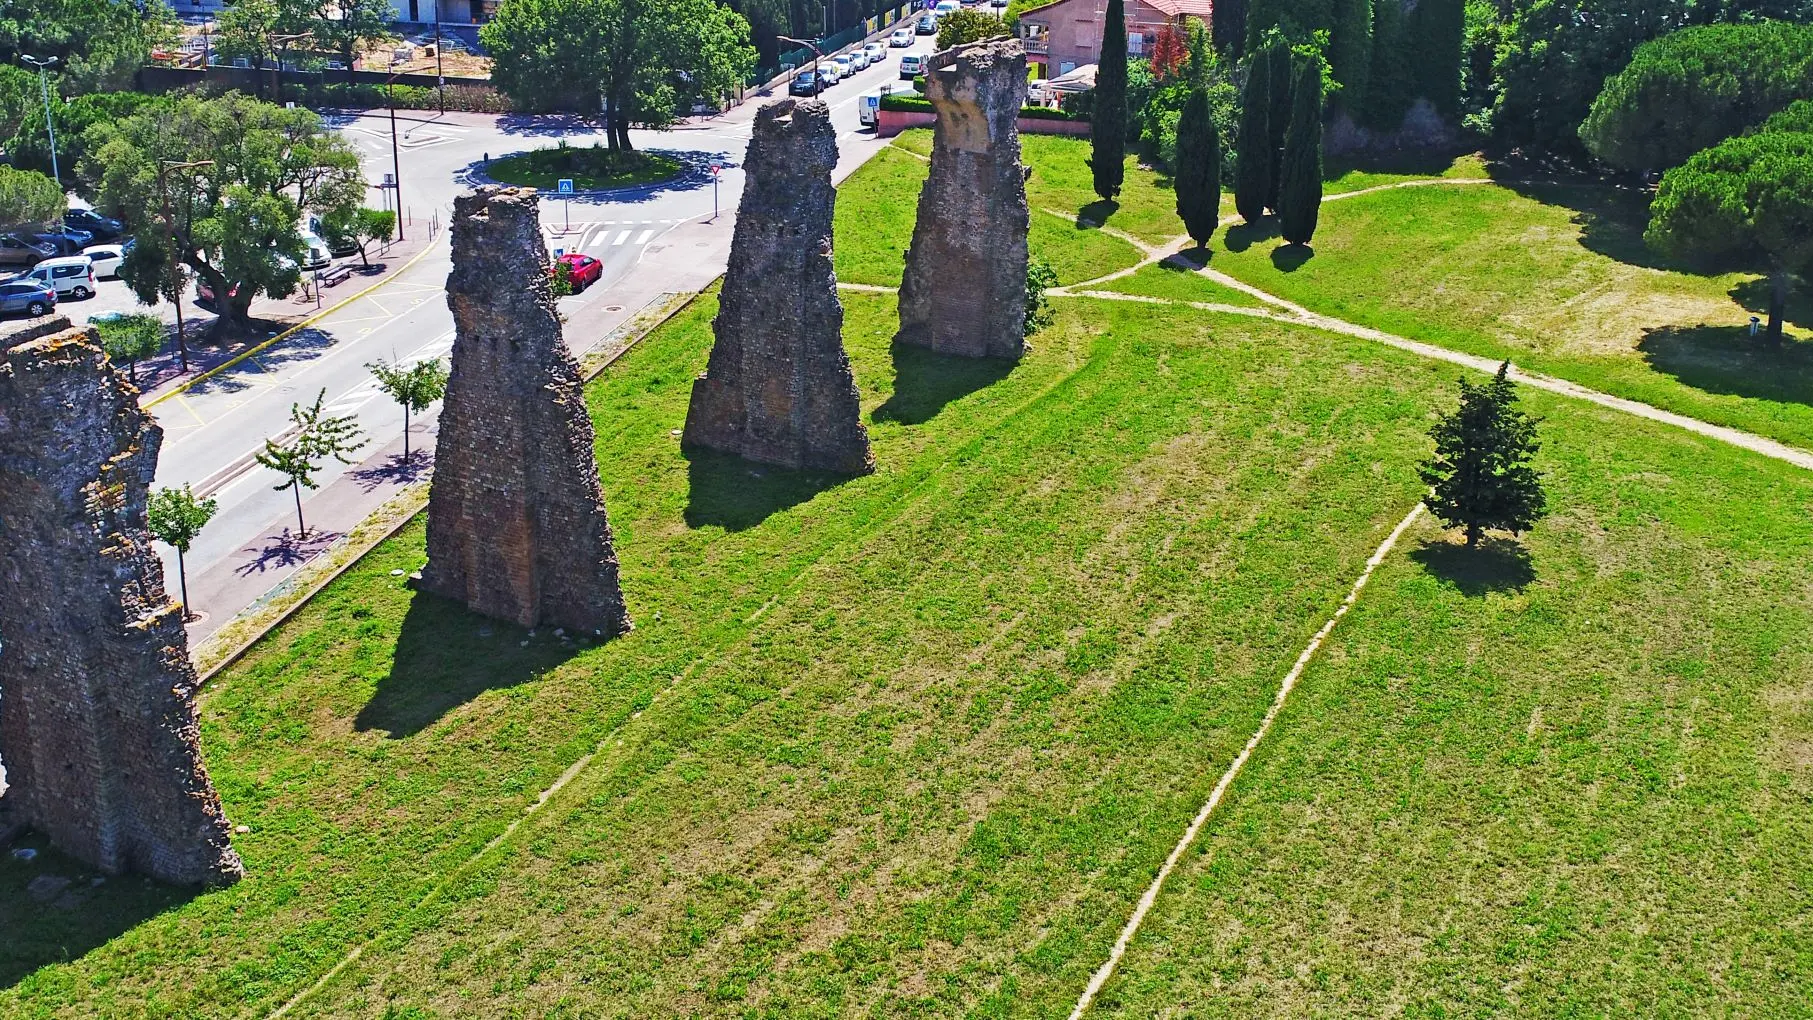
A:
x: 49, y: 129
x: 396, y: 166
x: 816, y: 82
x: 176, y: 280
x: 440, y: 76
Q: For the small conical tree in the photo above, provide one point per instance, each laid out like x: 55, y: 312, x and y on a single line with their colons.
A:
x: 1253, y: 157
x: 1108, y: 124
x: 1480, y: 475
x: 1278, y: 118
x: 1300, y: 188
x: 1197, y: 176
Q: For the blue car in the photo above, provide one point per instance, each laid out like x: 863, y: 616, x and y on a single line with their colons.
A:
x: 28, y: 296
x: 806, y: 83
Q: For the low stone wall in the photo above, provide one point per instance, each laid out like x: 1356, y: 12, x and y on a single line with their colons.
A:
x: 889, y: 123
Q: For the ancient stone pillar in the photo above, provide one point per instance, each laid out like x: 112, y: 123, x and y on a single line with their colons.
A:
x: 965, y: 286
x: 97, y: 717
x: 516, y: 521
x: 778, y: 387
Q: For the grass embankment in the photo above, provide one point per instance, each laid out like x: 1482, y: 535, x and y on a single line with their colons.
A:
x: 591, y: 167
x: 914, y: 743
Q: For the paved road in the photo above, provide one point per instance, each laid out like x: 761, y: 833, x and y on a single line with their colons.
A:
x: 652, y: 240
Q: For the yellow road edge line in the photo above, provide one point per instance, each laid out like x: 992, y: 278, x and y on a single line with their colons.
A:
x: 285, y: 335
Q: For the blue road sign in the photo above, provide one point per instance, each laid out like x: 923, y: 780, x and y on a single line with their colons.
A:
x: 564, y: 185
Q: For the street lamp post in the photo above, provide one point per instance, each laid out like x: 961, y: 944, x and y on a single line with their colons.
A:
x: 815, y: 55
x: 176, y: 289
x: 396, y: 166
x: 440, y: 76
x: 49, y: 129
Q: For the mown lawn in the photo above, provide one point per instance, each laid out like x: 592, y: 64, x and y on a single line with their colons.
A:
x: 1554, y: 277
x: 1175, y: 282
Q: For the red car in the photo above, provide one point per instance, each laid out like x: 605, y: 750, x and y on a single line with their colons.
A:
x: 583, y: 270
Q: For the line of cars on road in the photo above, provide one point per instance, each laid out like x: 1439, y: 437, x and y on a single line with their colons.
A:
x: 831, y: 70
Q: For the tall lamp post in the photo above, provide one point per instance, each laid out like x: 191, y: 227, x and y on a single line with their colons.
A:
x: 176, y: 288
x: 44, y: 88
x: 396, y: 166
x: 815, y: 55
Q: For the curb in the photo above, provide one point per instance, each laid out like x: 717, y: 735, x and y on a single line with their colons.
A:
x: 357, y: 546
x: 253, y: 352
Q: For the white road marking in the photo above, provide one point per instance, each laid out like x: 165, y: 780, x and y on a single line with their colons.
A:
x: 621, y: 238
x: 644, y: 236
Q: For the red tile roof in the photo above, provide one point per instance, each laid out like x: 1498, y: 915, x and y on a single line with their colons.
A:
x: 1200, y: 8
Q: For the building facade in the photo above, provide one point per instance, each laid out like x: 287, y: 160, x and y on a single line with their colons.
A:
x: 1067, y: 34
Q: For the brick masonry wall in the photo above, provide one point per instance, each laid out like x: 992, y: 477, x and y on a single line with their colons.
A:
x: 964, y: 291
x: 517, y: 528
x: 97, y: 717
x: 778, y: 387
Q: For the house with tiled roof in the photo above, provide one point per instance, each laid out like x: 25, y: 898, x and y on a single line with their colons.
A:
x: 1064, y: 35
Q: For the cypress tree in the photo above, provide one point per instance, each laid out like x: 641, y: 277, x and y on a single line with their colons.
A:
x: 1108, y: 127
x: 1389, y: 86
x: 1350, y: 52
x: 1480, y: 476
x: 1197, y: 176
x: 1253, y: 157
x: 1300, y: 190
x: 1229, y: 23
x: 1278, y: 118
x: 1439, y: 27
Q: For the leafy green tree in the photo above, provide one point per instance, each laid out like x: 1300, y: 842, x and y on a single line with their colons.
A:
x: 1277, y: 120
x: 19, y: 99
x: 176, y: 518
x: 30, y: 145
x: 260, y: 30
x: 349, y: 27
x: 1227, y: 23
x: 318, y: 435
x: 1197, y: 172
x: 1300, y: 188
x: 1253, y: 172
x: 416, y: 387
x: 631, y: 61
x: 1481, y: 476
x: 100, y: 44
x: 130, y: 338
x: 1108, y: 126
x: 1690, y: 89
x: 233, y: 221
x: 1040, y: 277
x: 968, y: 26
x: 360, y: 227
x: 1748, y: 194
x: 1289, y: 19
x: 1350, y: 51
x: 28, y: 199
x: 1797, y: 117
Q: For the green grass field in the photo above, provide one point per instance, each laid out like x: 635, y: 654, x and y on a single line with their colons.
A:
x: 913, y: 744
x: 590, y: 167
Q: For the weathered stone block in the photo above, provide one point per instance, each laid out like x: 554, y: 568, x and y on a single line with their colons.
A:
x: 516, y: 520
x: 97, y: 714
x: 777, y: 388
x: 965, y: 286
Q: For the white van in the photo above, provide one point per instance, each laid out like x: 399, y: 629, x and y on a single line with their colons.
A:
x: 70, y: 276
x: 945, y: 7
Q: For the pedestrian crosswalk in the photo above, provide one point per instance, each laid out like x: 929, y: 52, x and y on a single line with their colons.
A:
x: 598, y: 235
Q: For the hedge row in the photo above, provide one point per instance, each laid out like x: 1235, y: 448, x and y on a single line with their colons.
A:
x: 360, y: 95
x: 902, y: 103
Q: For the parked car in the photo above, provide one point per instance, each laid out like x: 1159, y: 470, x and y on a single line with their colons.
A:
x: 845, y: 64
x: 805, y: 83
x: 28, y: 296
x: 877, y: 52
x: 316, y: 256
x: 946, y: 6
x: 902, y: 36
x: 20, y: 250
x: 828, y: 73
x: 583, y: 270
x: 927, y: 24
x: 859, y: 58
x: 61, y: 243
x: 104, y: 228
x: 71, y: 275
x: 106, y: 259
x: 912, y: 66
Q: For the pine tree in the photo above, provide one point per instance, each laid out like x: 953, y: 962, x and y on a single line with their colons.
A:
x: 1197, y: 176
x: 1108, y: 127
x: 1278, y: 118
x: 1480, y: 475
x: 1253, y: 158
x: 1300, y: 187
x: 1350, y: 52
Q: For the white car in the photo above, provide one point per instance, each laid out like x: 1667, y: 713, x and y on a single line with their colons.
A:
x: 845, y: 64
x: 876, y: 52
x: 901, y: 37
x: 106, y: 259
x: 70, y: 276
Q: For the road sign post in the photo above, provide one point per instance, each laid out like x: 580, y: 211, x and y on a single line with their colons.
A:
x: 565, y: 187
x: 716, y: 167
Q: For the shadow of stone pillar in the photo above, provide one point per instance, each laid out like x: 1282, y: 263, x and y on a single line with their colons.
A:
x: 778, y: 387
x: 516, y: 520
x: 964, y: 291
x: 97, y: 712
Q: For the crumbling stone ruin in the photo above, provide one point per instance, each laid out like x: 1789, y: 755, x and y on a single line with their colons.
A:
x: 516, y: 521
x: 777, y: 388
x: 98, y: 733
x: 965, y: 286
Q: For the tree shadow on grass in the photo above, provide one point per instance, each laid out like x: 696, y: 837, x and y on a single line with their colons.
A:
x: 1611, y: 215
x: 1497, y: 564
x: 1421, y: 162
x: 1727, y: 359
x: 1096, y: 213
x: 925, y: 381
x: 729, y: 492
x: 1753, y: 295
x: 446, y: 655
x: 1188, y: 260
x: 51, y: 910
x: 1288, y: 258
x: 1241, y: 236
